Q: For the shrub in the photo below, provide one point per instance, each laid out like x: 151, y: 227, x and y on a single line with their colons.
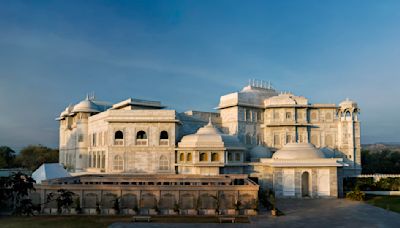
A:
x: 116, y: 205
x: 78, y: 208
x: 356, y: 195
x: 389, y: 184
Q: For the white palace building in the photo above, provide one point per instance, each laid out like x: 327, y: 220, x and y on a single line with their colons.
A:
x: 258, y: 139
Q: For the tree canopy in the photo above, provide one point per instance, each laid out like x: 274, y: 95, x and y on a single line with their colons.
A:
x: 386, y: 161
x: 31, y: 157
x: 7, y: 157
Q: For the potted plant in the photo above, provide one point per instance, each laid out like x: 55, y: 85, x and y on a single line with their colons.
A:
x: 136, y: 209
x: 237, y: 205
x: 197, y: 208
x: 116, y: 206
x: 78, y: 208
x: 98, y: 209
x: 176, y: 208
x: 274, y: 211
x: 217, y: 204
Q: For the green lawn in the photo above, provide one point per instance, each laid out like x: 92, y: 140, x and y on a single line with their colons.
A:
x: 387, y: 202
x: 98, y: 221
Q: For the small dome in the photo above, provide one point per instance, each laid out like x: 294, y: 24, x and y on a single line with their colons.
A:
x: 86, y: 106
x: 258, y: 152
x: 348, y: 104
x: 298, y: 151
x: 209, y: 136
x: 208, y: 129
x: 66, y: 112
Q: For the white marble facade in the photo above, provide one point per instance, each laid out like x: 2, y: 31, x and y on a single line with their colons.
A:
x: 249, y: 129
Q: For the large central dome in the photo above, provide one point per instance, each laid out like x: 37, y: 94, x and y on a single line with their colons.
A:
x: 298, y: 151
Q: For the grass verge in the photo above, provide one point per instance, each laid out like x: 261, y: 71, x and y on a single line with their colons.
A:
x: 386, y: 202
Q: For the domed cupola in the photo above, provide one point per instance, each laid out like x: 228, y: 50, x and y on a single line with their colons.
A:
x: 65, y: 113
x: 298, y: 151
x: 86, y: 106
x: 209, y: 136
x: 348, y: 104
x: 348, y: 110
x: 258, y: 152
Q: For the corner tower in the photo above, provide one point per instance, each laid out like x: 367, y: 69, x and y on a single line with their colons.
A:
x: 349, y: 135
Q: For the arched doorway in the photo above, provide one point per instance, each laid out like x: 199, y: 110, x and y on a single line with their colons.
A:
x: 305, y: 184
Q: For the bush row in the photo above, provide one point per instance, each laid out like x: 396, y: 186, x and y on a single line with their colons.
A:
x: 368, y: 184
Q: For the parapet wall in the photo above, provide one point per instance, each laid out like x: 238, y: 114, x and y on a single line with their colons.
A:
x: 153, y: 194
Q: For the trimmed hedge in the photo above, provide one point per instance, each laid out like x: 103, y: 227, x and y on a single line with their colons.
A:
x: 368, y: 184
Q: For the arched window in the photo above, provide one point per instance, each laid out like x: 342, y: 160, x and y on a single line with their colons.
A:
x: 94, y: 160
x: 314, y: 115
x: 141, y: 138
x: 119, y: 135
x: 314, y: 140
x: 299, y: 115
x: 348, y: 115
x: 328, y: 116
x: 189, y: 157
x: 288, y: 138
x: 164, y: 135
x: 329, y: 141
x: 181, y: 157
x: 277, y: 140
x: 203, y: 157
x: 259, y: 116
x: 103, y: 160
x: 248, y: 139
x: 258, y: 139
x: 214, y: 157
x: 98, y: 159
x: 248, y: 115
x: 141, y: 135
x: 237, y: 157
x: 118, y: 163
x: 230, y: 157
x: 164, y: 138
x: 119, y: 138
x: 90, y: 159
x: 163, y: 163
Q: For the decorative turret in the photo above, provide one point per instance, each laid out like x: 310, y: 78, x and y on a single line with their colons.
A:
x: 349, y: 134
x: 348, y: 110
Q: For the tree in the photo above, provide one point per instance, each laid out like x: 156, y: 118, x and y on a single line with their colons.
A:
x: 7, y: 157
x: 64, y: 199
x: 383, y: 161
x: 31, y: 157
x: 20, y: 186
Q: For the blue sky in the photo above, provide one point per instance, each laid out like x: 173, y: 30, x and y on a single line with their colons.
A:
x: 189, y: 53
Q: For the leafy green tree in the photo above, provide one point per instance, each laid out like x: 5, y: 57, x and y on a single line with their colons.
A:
x: 7, y: 157
x: 383, y: 161
x: 20, y: 186
x: 64, y: 199
x: 31, y: 157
